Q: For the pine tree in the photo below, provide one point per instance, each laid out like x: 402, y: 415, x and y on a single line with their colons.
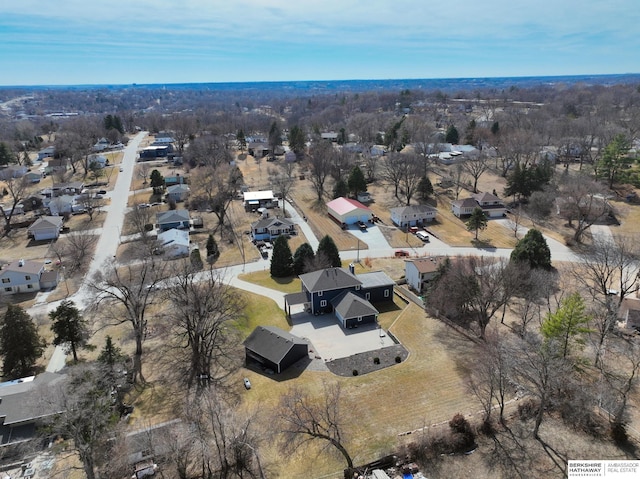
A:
x: 242, y: 140
x: 533, y: 250
x: 329, y: 250
x: 357, y: 183
x: 20, y: 343
x: 281, y: 259
x: 196, y: 259
x: 213, y: 253
x: 452, y: 136
x: 110, y: 354
x: 425, y: 188
x: 477, y: 221
x: 340, y: 189
x: 69, y: 327
x: 303, y: 255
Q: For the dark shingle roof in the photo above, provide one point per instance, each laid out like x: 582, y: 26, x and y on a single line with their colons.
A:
x: 271, y: 343
x: 328, y: 279
x: 350, y: 305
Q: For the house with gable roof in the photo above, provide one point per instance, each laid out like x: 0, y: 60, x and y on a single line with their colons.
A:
x: 491, y: 205
x: 341, y: 291
x: 173, y: 219
x: 269, y: 228
x: 413, y: 215
x: 419, y: 272
x: 45, y: 228
x: 25, y: 276
x: 346, y: 211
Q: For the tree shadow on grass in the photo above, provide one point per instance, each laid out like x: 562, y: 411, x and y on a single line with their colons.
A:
x: 483, y: 244
x: 285, y: 280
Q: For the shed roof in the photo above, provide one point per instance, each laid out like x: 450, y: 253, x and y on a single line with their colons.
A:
x: 343, y: 205
x: 271, y: 343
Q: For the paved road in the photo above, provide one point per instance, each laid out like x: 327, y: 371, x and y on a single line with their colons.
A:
x: 107, y: 244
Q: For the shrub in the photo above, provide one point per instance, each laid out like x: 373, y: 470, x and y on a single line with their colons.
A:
x: 355, y: 372
x: 398, y: 359
x: 527, y: 409
x: 376, y: 360
x: 464, y: 439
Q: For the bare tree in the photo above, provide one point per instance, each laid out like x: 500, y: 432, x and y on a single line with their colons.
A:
x: 282, y: 179
x: 226, y: 442
x: 583, y: 201
x: 202, y: 309
x: 78, y: 249
x: 16, y: 188
x: 321, y: 155
x: 214, y: 189
x: 475, y: 168
x: 131, y: 288
x: 305, y: 418
x: 144, y: 170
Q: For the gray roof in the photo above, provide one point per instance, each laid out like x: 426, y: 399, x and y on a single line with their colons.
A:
x: 179, y: 188
x: 271, y: 343
x: 413, y: 209
x: 46, y: 222
x: 350, y: 305
x: 375, y: 279
x: 328, y: 279
x: 465, y: 203
x: 172, y: 216
x: 21, y: 401
x: 273, y: 221
x: 24, y: 266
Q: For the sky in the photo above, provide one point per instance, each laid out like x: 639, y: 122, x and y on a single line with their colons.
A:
x: 79, y: 42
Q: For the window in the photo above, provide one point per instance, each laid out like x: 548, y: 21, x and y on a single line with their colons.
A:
x: 386, y: 293
x: 320, y: 293
x: 367, y: 296
x: 29, y: 286
x: 6, y: 280
x: 323, y: 303
x: 357, y: 287
x: 359, y: 318
x: 28, y: 278
x: 7, y: 289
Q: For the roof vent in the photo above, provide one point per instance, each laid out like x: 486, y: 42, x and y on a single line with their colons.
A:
x: 21, y: 263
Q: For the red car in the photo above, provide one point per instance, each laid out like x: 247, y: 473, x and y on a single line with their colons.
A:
x: 400, y: 253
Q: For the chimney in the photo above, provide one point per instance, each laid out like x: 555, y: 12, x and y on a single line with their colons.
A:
x: 352, y: 268
x: 21, y: 263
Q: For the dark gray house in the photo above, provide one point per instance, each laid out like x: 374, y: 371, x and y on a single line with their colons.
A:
x: 274, y: 348
x: 326, y: 291
x: 172, y: 219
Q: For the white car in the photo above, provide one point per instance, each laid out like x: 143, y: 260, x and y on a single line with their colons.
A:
x: 247, y: 383
x: 121, y: 169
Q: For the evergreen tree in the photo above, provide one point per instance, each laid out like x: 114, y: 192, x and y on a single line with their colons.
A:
x: 110, y: 354
x: 69, y: 327
x: 356, y: 183
x: 196, y: 259
x: 242, y: 140
x: 495, y: 128
x: 533, y: 249
x: 568, y: 324
x: 297, y: 140
x: 477, y: 221
x: 425, y: 188
x: 281, y: 259
x: 20, y: 343
x: 329, y: 250
x: 303, y: 255
x: 342, y: 136
x: 157, y: 181
x: 275, y: 138
x: 614, y: 159
x: 340, y: 189
x: 213, y: 253
x: 452, y: 136
x: 6, y: 155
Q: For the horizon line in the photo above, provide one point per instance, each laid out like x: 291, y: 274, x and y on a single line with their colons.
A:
x: 94, y: 85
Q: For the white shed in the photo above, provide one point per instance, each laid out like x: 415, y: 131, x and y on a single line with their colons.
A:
x: 46, y: 228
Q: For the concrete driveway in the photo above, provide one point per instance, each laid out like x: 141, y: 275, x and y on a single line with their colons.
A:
x: 330, y: 341
x: 372, y: 236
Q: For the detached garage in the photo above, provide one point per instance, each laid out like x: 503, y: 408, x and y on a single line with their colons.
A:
x: 274, y: 348
x: 347, y: 211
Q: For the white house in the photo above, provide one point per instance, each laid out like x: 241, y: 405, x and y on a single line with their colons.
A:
x: 347, y: 211
x: 174, y: 243
x: 259, y: 199
x: 24, y: 276
x: 45, y: 228
x: 420, y: 271
x: 405, y: 216
x: 463, y: 207
x: 13, y: 171
x: 492, y: 206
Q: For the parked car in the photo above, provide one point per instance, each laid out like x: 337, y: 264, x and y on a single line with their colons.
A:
x: 423, y: 236
x: 362, y: 225
x: 143, y: 205
x: 247, y: 383
x: 121, y: 169
x: 400, y: 253
x: 101, y: 192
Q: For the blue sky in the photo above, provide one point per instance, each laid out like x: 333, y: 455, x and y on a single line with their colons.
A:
x: 67, y: 42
